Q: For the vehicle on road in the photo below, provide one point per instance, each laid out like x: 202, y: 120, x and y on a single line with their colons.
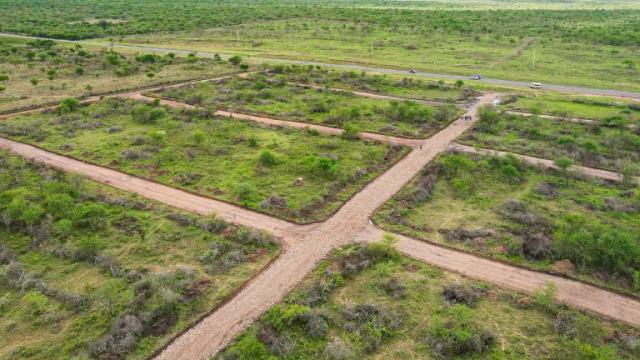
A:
x: 475, y: 77
x: 535, y: 85
x: 412, y: 71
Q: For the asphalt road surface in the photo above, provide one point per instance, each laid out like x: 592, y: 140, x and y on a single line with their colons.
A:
x: 499, y: 82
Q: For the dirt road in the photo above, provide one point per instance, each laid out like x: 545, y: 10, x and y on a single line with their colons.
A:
x: 165, y: 194
x: 306, y: 245
x: 598, y: 173
x: 280, y: 123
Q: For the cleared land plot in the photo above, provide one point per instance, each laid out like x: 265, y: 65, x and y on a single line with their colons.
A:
x: 382, y: 84
x: 34, y: 73
x: 504, y: 209
x: 294, y: 174
x: 284, y: 101
x: 599, y: 109
x: 611, y: 147
x: 365, y: 303
x: 560, y: 56
x: 90, y: 272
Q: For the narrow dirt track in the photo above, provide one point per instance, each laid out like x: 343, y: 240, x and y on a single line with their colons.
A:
x: 560, y: 118
x: 598, y: 173
x: 279, y: 123
x: 165, y: 194
x: 577, y: 294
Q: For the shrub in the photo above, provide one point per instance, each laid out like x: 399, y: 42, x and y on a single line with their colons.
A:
x: 235, y: 60
x: 395, y: 288
x: 146, y: 114
x: 267, y: 158
x: 350, y: 132
x: 68, y: 105
x: 321, y: 166
x: 337, y: 349
x: 456, y: 334
x: 372, y: 323
x: 122, y: 337
x: 590, y: 244
x: 456, y: 293
x: 285, y: 315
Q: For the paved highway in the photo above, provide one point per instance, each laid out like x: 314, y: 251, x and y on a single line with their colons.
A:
x: 499, y: 82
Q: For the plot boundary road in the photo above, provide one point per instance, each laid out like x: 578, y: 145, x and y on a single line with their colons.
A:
x: 500, y: 82
x: 306, y: 245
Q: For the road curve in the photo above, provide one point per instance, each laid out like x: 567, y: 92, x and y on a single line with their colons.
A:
x: 500, y: 82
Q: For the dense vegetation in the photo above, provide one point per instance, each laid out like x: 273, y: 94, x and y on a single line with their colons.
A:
x: 80, y: 19
x: 290, y: 173
x: 282, y: 100
x: 39, y: 72
x: 88, y: 272
x: 368, y: 302
x: 502, y: 208
x: 608, y: 144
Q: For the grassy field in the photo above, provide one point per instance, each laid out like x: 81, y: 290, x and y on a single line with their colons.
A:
x: 35, y: 73
x: 281, y: 100
x: 557, y: 59
x: 607, y: 146
x: 600, y: 109
x: 90, y: 272
x: 504, y: 209
x: 289, y: 173
x: 374, y: 83
x: 363, y: 303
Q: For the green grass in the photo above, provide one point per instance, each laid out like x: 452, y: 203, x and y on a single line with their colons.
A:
x: 96, y: 256
x: 607, y: 146
x: 358, y: 317
x: 600, y: 109
x: 384, y: 84
x: 472, y: 203
x: 332, y: 108
x: 499, y: 54
x: 41, y: 73
x: 288, y: 173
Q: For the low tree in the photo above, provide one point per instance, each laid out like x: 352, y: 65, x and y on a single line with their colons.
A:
x: 235, y: 60
x: 459, y: 84
x: 68, y: 105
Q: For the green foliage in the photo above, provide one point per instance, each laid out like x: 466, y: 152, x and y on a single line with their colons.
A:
x: 146, y: 114
x: 321, y: 166
x: 284, y: 316
x: 267, y: 158
x: 455, y: 333
x: 595, y: 245
x: 68, y: 105
x: 235, y: 60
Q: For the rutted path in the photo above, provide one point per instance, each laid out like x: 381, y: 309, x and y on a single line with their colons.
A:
x: 307, y: 245
x: 576, y: 120
x: 276, y: 122
x: 598, y: 173
x: 165, y: 194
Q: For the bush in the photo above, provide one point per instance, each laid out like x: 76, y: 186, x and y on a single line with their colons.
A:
x: 456, y: 334
x: 456, y: 293
x: 321, y: 166
x: 146, y: 114
x: 122, y: 337
x: 68, y: 105
x: 267, y: 158
x: 395, y: 288
x: 592, y: 245
x: 282, y: 316
x: 350, y: 132
x: 337, y: 349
